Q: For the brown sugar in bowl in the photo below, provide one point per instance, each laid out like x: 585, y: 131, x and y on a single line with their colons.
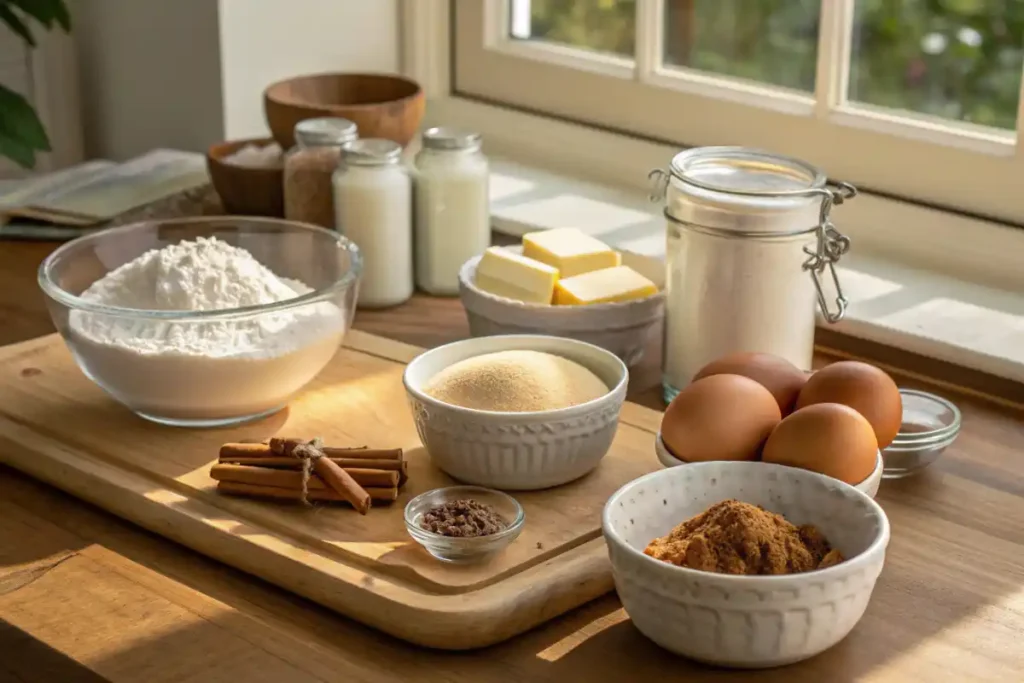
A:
x: 381, y: 105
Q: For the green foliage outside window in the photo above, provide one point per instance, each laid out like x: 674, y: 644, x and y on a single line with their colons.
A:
x: 957, y: 59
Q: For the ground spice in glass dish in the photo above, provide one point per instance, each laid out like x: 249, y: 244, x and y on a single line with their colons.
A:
x: 733, y: 537
x: 463, y: 518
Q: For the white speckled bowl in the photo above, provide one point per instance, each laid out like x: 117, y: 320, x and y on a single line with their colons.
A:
x: 622, y: 328
x: 744, y: 621
x: 868, y: 486
x: 517, y: 451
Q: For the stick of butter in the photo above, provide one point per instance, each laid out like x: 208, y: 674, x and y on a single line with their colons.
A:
x: 569, y: 250
x: 505, y: 273
x: 621, y: 283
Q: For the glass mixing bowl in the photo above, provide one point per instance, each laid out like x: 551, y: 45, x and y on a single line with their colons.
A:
x: 158, y: 362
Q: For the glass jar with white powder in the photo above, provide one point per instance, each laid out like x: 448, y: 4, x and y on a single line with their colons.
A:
x: 373, y: 208
x: 309, y: 167
x: 452, y: 208
x: 749, y: 243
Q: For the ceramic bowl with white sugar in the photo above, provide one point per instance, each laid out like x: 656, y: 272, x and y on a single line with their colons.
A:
x: 516, y: 450
x: 203, y: 321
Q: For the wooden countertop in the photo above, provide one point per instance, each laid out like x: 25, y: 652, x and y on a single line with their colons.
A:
x: 85, y: 596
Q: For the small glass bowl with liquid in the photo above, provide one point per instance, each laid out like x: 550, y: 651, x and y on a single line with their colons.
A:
x: 930, y: 425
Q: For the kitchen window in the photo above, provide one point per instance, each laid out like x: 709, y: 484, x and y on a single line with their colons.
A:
x: 914, y: 99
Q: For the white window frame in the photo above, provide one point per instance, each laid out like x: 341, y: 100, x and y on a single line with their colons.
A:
x: 973, y: 247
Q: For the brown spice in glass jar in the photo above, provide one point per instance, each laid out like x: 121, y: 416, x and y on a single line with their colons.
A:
x: 309, y: 185
x: 463, y: 518
x: 733, y: 537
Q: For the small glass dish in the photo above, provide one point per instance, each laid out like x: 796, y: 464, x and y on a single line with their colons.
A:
x: 457, y: 548
x: 930, y: 424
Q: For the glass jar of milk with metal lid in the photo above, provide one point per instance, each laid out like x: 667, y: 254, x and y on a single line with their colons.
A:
x: 373, y: 208
x: 452, y: 207
x: 309, y: 167
x: 750, y: 253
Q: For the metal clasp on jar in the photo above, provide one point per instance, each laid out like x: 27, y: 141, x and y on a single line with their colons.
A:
x: 830, y: 247
x: 659, y: 184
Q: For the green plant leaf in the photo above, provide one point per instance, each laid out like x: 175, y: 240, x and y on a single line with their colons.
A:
x: 61, y: 14
x: 15, y: 23
x: 17, y: 152
x: 18, y: 121
x: 44, y: 11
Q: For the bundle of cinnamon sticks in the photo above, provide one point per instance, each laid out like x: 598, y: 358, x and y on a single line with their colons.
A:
x: 300, y: 470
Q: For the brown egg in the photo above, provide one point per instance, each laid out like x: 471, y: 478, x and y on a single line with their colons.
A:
x: 723, y: 417
x: 783, y: 379
x: 829, y: 438
x: 865, y: 388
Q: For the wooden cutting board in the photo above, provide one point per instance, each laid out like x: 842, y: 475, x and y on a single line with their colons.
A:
x: 58, y: 426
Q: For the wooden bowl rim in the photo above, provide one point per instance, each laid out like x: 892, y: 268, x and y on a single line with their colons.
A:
x: 270, y: 95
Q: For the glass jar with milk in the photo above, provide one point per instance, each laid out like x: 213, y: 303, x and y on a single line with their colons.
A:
x: 452, y: 214
x: 373, y: 208
x: 749, y: 243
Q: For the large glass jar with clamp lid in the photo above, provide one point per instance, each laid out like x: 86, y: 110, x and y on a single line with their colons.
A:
x: 750, y: 255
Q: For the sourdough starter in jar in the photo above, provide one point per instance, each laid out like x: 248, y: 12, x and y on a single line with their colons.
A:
x: 373, y: 208
x: 452, y: 207
x: 738, y: 276
x: 309, y: 167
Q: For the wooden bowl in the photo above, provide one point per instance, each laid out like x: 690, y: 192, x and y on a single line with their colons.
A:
x: 246, y: 190
x: 382, y: 106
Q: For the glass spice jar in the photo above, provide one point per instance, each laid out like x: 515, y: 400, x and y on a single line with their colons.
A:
x: 309, y: 167
x: 373, y: 208
x: 749, y: 239
x: 452, y: 207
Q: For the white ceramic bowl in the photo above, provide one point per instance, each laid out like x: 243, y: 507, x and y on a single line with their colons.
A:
x: 744, y: 621
x: 868, y: 486
x: 623, y: 328
x: 516, y: 451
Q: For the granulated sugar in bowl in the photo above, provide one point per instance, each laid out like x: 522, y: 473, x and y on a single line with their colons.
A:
x: 516, y: 381
x: 491, y: 443
x: 203, y: 322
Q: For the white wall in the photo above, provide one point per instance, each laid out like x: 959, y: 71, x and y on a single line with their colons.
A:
x: 188, y: 73
x: 149, y: 74
x: 263, y: 41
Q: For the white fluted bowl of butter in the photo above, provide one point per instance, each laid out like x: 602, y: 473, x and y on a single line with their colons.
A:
x: 564, y: 283
x: 516, y: 412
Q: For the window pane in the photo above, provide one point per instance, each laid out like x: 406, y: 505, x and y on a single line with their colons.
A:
x: 771, y: 41
x: 957, y: 59
x: 599, y: 25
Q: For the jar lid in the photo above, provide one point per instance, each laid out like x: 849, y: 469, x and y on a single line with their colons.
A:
x: 372, y: 152
x: 325, y: 131
x: 450, y: 138
x: 744, y: 190
x: 746, y: 172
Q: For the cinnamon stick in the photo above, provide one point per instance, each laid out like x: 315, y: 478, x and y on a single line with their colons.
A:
x: 343, y: 483
x: 288, y: 463
x: 235, y: 488
x: 266, y: 476
x: 286, y: 446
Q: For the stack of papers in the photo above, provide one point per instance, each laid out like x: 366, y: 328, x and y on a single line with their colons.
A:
x: 73, y: 201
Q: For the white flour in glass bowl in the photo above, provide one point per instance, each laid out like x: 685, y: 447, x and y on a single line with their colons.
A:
x: 202, y: 372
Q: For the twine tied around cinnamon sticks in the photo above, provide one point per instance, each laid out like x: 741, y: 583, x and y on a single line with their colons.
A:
x: 312, y: 456
x: 285, y: 468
